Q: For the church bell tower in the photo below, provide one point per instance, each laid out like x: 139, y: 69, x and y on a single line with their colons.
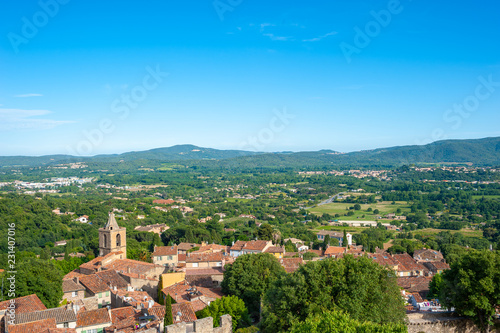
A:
x: 112, y: 237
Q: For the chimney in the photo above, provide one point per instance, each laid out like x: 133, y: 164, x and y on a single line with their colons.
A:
x: 128, y: 270
x: 76, y: 279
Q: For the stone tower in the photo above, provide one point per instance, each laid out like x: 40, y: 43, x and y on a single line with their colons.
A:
x: 112, y: 238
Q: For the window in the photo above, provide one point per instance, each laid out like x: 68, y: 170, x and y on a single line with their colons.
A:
x: 66, y: 325
x: 118, y: 240
x: 218, y: 264
x: 107, y: 293
x: 159, y: 258
x: 169, y: 258
x: 74, y: 294
x: 195, y: 264
x: 100, y: 295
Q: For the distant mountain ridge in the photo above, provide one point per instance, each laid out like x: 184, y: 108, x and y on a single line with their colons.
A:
x: 484, y: 151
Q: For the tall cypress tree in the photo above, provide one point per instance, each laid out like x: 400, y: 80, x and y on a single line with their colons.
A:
x: 344, y: 240
x: 161, y: 296
x: 169, y: 318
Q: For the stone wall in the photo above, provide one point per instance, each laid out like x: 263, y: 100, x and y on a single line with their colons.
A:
x: 205, y: 325
x: 440, y: 323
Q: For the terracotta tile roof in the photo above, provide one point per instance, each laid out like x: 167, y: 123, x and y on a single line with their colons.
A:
x: 407, y: 263
x: 60, y: 315
x: 212, y: 248
x: 427, y: 255
x: 70, y: 285
x: 93, y: 317
x: 414, y: 283
x: 185, y: 312
x: 136, y: 267
x: 335, y: 250
x: 186, y: 246
x: 237, y: 246
x: 204, y: 257
x: 291, y: 264
x: 210, y: 292
x: 24, y: 304
x: 181, y: 257
x: 112, y: 278
x: 204, y: 271
x: 135, y: 298
x: 384, y: 259
x: 94, y: 284
x: 198, y: 305
x: 33, y: 327
x: 165, y: 251
x: 256, y: 245
x: 73, y: 274
x: 158, y: 311
x: 275, y: 249
x: 178, y: 291
x: 119, y: 314
x: 437, y: 265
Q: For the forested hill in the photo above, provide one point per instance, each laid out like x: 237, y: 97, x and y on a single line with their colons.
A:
x: 478, y: 151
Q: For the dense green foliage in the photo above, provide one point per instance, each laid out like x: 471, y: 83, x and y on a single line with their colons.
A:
x: 472, y: 286
x: 341, y: 322
x: 40, y: 277
x: 250, y: 276
x: 360, y: 287
x: 230, y: 305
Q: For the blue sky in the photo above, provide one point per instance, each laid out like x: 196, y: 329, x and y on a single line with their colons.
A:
x: 91, y: 77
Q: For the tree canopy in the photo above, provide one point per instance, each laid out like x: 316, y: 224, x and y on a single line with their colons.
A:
x: 358, y: 286
x: 250, y: 276
x: 231, y: 305
x: 472, y: 286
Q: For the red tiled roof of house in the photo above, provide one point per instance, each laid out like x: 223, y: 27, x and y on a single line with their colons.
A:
x: 438, y: 265
x: 181, y: 257
x: 335, y: 250
x: 210, y: 292
x: 73, y: 274
x: 158, y: 311
x: 165, y: 251
x: 186, y: 246
x: 291, y: 264
x: 33, y: 327
x: 238, y: 245
x: 119, y: 314
x: 185, y: 312
x: 383, y: 258
x: 112, y: 278
x: 204, y: 271
x: 94, y: 283
x: 136, y: 267
x: 427, y: 255
x: 135, y: 298
x: 275, y: 249
x: 202, y: 257
x: 407, y: 263
x: 93, y: 317
x: 419, y: 284
x: 24, y: 304
x: 178, y: 291
x: 60, y: 314
x: 212, y: 248
x: 70, y: 286
x: 198, y: 305
x: 256, y: 245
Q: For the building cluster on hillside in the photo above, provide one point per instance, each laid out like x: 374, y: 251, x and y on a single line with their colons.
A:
x: 114, y: 294
x: 47, y: 186
x: 380, y: 174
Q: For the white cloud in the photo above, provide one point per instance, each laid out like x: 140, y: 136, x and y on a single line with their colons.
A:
x: 12, y: 119
x: 278, y: 38
x: 28, y: 95
x: 317, y: 39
